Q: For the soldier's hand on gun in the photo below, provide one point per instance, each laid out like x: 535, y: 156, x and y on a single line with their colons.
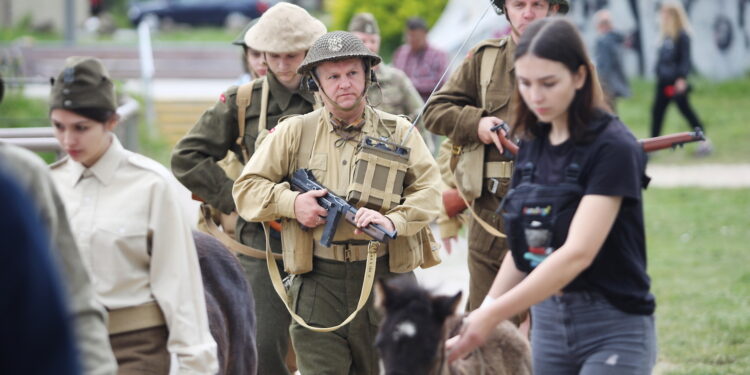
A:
x: 307, y: 210
x: 366, y: 216
x: 486, y: 134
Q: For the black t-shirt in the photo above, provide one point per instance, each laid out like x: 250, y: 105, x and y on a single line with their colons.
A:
x: 613, y: 164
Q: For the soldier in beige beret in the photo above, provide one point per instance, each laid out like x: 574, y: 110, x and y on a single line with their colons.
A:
x: 283, y: 35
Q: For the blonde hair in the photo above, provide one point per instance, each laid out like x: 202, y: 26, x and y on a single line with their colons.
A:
x: 677, y: 21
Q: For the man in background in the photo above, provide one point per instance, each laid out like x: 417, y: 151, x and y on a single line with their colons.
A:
x: 423, y: 63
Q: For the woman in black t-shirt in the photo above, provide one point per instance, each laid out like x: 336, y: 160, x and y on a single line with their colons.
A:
x: 574, y: 221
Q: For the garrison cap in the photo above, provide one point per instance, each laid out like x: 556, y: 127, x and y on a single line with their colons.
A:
x: 83, y: 83
x: 364, y: 23
x: 240, y: 39
x: 563, y: 5
x: 337, y: 45
x: 284, y: 28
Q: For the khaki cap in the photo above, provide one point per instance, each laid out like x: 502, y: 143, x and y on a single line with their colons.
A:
x: 364, y: 23
x: 83, y: 83
x: 284, y: 28
x: 337, y: 45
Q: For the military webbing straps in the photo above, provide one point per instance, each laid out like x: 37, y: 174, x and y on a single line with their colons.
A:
x: 485, y: 76
x: 244, y: 98
x: 307, y: 143
x: 232, y: 244
x: 364, y: 294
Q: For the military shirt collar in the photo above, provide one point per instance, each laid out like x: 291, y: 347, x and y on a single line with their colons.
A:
x: 282, y: 95
x: 104, y: 168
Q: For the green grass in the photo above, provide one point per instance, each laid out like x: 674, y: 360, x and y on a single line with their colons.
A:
x: 698, y: 262
x: 724, y: 109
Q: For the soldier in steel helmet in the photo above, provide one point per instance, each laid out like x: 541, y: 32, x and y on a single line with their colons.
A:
x: 464, y: 110
x: 283, y: 34
x: 328, y: 142
x: 397, y: 95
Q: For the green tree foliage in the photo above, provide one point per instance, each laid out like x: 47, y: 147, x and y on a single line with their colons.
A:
x: 391, y: 16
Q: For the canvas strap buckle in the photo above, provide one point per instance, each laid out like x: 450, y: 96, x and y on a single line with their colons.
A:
x: 493, y: 184
x: 456, y: 150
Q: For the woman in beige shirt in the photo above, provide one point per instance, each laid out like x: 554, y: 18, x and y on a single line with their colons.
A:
x: 130, y: 230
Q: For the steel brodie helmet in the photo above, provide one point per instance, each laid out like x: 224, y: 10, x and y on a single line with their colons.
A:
x: 564, y: 6
x: 337, y: 45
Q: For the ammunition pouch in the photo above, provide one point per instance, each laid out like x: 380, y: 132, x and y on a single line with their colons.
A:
x: 409, y: 252
x: 464, y: 161
x: 378, y: 178
x: 296, y: 247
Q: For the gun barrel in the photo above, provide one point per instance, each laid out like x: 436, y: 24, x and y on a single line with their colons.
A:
x: 670, y: 140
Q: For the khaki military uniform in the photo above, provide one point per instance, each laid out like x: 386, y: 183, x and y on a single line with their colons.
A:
x: 88, y: 315
x: 455, y: 111
x: 194, y: 163
x: 329, y: 293
x: 139, y: 253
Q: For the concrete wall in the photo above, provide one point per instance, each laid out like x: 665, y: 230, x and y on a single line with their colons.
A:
x: 720, y: 39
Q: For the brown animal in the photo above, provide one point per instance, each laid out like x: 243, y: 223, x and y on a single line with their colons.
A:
x: 230, y: 305
x: 412, y: 335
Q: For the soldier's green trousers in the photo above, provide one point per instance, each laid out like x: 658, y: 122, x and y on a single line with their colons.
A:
x: 324, y: 297
x: 272, y: 336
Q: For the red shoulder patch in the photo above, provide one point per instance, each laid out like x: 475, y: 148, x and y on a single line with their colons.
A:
x: 223, y: 98
x: 273, y: 129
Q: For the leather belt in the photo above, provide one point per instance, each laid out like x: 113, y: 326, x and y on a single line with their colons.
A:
x: 133, y: 318
x: 346, y: 251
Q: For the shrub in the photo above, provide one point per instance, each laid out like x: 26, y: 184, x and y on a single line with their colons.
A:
x: 391, y: 16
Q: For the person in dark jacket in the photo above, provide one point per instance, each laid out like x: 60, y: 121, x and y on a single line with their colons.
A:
x: 35, y: 333
x: 607, y: 54
x: 672, y: 68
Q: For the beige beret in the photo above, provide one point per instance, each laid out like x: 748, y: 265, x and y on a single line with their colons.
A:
x: 284, y: 28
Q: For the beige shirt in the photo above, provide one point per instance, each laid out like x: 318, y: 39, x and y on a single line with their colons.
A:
x: 137, y: 246
x: 260, y: 194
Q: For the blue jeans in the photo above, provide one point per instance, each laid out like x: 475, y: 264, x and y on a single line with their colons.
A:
x: 582, y: 333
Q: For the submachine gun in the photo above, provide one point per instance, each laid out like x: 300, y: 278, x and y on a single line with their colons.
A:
x: 454, y: 204
x: 303, y: 181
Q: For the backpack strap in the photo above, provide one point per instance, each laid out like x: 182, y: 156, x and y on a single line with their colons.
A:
x: 244, y: 98
x: 307, y: 140
x: 486, y: 67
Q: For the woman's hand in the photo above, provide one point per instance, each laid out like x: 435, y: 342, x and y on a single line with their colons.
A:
x: 477, y: 326
x: 680, y: 85
x: 366, y: 216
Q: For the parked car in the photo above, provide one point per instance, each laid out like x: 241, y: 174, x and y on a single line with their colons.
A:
x: 194, y: 12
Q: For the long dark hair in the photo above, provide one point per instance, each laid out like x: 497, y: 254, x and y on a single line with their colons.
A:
x: 558, y: 40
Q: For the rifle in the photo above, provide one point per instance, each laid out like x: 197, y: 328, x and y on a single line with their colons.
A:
x: 303, y: 181
x: 454, y: 204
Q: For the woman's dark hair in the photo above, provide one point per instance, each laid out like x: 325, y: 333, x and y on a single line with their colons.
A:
x: 558, y: 40
x: 97, y: 114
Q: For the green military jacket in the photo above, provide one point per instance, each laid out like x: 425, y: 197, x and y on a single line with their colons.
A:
x: 215, y: 134
x: 399, y: 97
x: 455, y: 110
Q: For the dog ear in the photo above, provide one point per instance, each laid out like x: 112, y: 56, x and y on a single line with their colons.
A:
x: 445, y: 306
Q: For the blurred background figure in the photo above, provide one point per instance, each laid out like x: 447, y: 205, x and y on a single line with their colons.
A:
x: 608, y: 58
x: 672, y: 68
x: 422, y: 63
x: 253, y: 64
x: 396, y: 93
x: 35, y: 336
